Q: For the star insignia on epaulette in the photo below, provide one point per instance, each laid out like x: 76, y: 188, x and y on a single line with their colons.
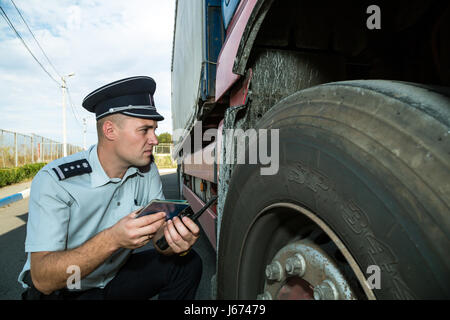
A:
x: 72, y: 169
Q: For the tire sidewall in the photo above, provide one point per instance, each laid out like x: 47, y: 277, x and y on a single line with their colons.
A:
x: 344, y: 193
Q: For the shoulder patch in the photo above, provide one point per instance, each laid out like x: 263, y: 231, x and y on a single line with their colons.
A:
x: 72, y: 169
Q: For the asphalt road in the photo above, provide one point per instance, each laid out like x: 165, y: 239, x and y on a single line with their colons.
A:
x: 13, y: 220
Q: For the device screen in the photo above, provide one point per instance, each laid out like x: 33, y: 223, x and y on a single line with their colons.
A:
x: 171, y: 209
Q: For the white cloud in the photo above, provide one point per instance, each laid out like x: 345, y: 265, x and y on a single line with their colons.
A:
x: 101, y: 41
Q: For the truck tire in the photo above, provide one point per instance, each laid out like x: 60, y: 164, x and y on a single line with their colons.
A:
x: 364, y: 170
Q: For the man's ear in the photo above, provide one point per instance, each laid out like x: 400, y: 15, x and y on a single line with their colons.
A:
x: 109, y: 130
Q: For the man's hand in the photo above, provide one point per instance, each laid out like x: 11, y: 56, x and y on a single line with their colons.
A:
x: 181, y: 234
x: 132, y: 233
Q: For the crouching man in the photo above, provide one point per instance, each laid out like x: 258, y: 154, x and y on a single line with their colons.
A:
x: 83, y: 208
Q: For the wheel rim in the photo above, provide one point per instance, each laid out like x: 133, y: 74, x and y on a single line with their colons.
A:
x: 301, y: 269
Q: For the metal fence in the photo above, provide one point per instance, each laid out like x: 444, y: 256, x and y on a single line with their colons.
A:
x: 163, y: 155
x: 163, y: 149
x: 17, y: 149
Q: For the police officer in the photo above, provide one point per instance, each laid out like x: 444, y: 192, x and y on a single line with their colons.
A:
x: 83, y: 207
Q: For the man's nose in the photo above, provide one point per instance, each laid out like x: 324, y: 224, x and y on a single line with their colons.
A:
x: 153, y: 139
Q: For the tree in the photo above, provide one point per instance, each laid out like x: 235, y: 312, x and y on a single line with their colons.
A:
x: 165, y: 138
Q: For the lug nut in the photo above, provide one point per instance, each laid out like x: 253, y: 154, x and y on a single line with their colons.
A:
x: 296, y: 265
x: 326, y: 291
x: 274, y: 271
x: 264, y: 296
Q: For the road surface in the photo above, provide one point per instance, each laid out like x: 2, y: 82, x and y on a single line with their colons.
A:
x: 13, y: 220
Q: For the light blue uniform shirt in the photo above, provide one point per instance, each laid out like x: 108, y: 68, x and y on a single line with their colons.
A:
x: 64, y: 214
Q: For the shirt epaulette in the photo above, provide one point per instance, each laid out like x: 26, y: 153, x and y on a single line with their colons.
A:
x: 72, y: 169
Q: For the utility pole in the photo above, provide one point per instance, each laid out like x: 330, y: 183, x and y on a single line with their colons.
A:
x: 64, y: 116
x: 84, y: 133
x: 64, y: 87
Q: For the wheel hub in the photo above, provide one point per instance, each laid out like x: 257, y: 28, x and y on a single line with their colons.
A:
x: 302, y: 270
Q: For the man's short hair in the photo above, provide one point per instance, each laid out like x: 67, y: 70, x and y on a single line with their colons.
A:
x: 116, y: 118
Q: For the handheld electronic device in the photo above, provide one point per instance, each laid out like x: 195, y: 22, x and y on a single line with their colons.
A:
x: 161, y: 243
x: 172, y: 208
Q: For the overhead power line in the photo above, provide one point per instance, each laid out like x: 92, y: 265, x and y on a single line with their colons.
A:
x: 75, y: 113
x: 5, y: 16
x: 64, y: 85
x: 37, y: 42
x: 73, y: 109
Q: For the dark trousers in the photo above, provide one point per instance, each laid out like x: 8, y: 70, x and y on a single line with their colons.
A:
x: 143, y: 276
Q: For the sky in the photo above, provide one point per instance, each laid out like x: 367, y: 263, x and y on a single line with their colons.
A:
x: 100, y: 41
